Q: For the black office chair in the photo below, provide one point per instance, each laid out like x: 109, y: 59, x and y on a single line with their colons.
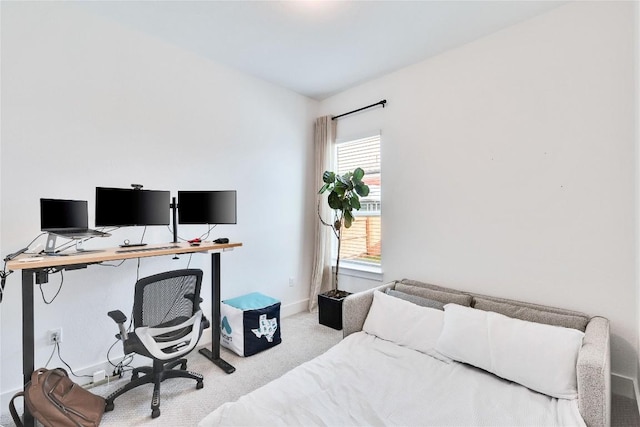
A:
x: 167, y: 324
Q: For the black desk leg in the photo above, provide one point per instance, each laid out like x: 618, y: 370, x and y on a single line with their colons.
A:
x: 27, y: 336
x: 214, y: 353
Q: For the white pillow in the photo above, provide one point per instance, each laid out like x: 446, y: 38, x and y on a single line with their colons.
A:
x: 403, y: 322
x: 540, y: 357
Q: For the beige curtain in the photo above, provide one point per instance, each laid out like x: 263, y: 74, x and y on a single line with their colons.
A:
x: 324, y: 140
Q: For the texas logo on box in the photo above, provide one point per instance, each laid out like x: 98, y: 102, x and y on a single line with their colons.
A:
x: 249, y: 324
x: 268, y: 327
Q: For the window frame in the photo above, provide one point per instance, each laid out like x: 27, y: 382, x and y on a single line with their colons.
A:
x: 356, y: 268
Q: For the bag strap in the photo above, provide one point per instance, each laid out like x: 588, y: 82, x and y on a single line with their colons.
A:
x: 12, y: 409
x: 35, y: 375
x: 57, y: 373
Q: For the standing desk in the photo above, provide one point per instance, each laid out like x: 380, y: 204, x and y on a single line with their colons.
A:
x: 31, y: 268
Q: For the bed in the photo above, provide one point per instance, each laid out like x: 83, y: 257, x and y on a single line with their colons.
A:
x: 409, y: 360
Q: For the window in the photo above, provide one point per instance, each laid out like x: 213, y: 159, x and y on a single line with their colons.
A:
x: 361, y: 243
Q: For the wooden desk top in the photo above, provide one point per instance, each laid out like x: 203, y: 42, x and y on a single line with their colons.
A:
x: 32, y: 262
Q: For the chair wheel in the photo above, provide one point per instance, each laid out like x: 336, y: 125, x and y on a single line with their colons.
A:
x: 108, y: 406
x: 155, y: 413
x: 199, y: 385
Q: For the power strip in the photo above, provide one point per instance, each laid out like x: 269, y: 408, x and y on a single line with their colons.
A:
x: 105, y: 380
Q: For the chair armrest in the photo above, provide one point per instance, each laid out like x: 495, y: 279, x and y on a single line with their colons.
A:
x: 356, y: 306
x: 119, y: 318
x: 594, y: 374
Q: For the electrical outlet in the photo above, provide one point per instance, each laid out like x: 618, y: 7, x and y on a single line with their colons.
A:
x: 291, y: 282
x: 55, y: 336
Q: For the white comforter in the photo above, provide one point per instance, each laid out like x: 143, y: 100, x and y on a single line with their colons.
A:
x: 368, y: 381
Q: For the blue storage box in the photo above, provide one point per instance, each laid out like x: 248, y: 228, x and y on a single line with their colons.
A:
x: 250, y: 323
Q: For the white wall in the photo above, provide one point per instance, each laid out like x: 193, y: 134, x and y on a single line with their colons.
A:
x: 1, y: 249
x: 508, y: 166
x: 637, y: 171
x: 142, y: 111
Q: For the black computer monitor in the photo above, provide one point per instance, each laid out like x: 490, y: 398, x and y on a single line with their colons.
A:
x: 207, y: 207
x: 120, y: 207
x: 114, y: 207
x: 59, y: 214
x: 153, y: 207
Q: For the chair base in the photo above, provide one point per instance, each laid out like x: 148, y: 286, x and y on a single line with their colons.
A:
x: 155, y: 374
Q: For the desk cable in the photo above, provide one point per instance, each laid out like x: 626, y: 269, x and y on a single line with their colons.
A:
x: 179, y: 238
x: 124, y: 365
x: 144, y: 231
x: 119, y: 369
x: 3, y: 279
x: 4, y: 273
x: 56, y: 347
x: 203, y: 236
x: 52, y: 271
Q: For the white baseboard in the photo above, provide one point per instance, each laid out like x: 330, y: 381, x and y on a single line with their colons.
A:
x: 625, y: 386
x: 294, y: 308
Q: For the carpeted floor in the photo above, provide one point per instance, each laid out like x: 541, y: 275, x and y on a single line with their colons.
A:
x: 181, y: 404
x: 302, y: 339
x: 624, y: 412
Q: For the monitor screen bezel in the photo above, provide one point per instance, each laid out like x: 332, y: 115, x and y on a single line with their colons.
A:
x: 133, y: 217
x: 202, y: 220
x: 164, y: 199
x: 81, y: 207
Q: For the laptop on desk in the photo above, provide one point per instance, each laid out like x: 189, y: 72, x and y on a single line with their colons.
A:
x: 66, y: 218
x: 77, y: 233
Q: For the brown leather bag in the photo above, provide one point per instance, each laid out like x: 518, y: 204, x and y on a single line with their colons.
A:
x: 56, y: 401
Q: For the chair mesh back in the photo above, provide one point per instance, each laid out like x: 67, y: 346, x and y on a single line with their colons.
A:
x: 167, y: 298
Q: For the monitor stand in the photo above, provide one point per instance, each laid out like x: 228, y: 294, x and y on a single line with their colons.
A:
x: 50, y: 248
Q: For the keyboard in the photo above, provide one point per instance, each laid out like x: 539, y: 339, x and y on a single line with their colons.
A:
x: 87, y: 251
x: 122, y: 251
x: 82, y: 252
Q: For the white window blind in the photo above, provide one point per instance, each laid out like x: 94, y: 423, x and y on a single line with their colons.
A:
x: 361, y: 243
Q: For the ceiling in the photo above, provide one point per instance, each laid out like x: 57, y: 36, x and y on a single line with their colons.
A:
x: 317, y: 48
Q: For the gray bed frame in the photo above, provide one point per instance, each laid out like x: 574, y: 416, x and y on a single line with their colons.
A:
x: 593, y: 369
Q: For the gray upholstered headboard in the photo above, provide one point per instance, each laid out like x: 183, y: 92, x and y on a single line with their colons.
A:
x: 593, y: 368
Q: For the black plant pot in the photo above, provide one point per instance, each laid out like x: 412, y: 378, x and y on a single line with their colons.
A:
x: 330, y: 308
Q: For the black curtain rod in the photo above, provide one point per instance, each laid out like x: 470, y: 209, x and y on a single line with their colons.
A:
x: 384, y: 101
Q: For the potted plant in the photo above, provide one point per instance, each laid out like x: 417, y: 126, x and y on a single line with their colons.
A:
x: 344, y: 197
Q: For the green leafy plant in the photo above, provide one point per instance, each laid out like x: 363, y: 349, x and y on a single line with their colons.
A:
x: 344, y: 197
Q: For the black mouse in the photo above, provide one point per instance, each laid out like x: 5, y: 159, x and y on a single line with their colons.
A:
x: 221, y: 240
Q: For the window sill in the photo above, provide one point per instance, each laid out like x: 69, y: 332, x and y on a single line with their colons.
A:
x: 360, y: 270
